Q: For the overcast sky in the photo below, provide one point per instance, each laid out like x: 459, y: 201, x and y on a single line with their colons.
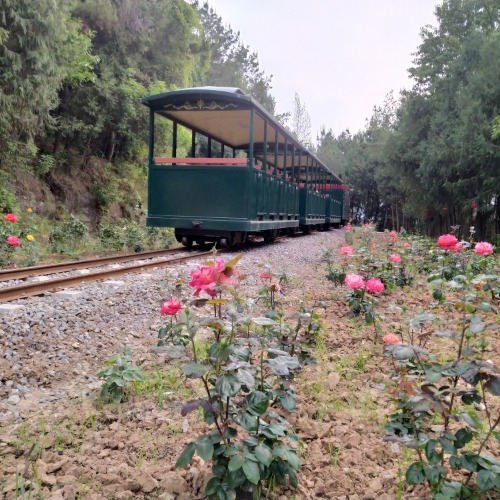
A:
x: 342, y: 57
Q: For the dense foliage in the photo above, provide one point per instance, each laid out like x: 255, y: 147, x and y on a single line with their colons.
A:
x: 72, y: 73
x: 426, y: 160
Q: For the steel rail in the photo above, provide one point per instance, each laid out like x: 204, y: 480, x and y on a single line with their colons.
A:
x: 22, y: 291
x: 26, y: 272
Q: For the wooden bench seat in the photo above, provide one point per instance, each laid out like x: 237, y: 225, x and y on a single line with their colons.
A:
x: 200, y: 161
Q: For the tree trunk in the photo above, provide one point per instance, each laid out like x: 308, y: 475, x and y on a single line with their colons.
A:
x: 110, y: 150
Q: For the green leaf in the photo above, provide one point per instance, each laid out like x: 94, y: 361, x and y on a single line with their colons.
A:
x: 433, y: 473
x: 251, y: 441
x: 432, y: 375
x: 132, y: 375
x: 227, y: 385
x: 273, y: 430
x: 469, y: 461
x: 447, y: 445
x: 236, y: 478
x: 368, y: 318
x: 293, y: 459
x: 477, y: 326
x: 257, y: 403
x: 288, y: 401
x: 242, y: 353
x: 212, y: 486
x: 116, y: 395
x: 450, y: 490
x: 493, y: 385
x: 117, y: 380
x: 452, y: 370
x: 463, y: 436
x: 455, y: 462
x: 247, y: 421
x: 186, y: 456
x: 487, y: 479
x: 471, y: 419
x: 401, y: 352
x: 219, y: 469
x: 235, y: 463
x: 194, y: 370
x: 204, y: 447
x: 414, y: 474
x: 263, y: 454
x: 251, y: 470
x: 431, y: 454
x: 282, y: 365
x: 262, y: 321
x: 423, y: 318
x: 246, y: 378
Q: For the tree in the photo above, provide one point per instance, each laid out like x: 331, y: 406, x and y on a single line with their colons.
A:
x: 301, y: 122
x: 140, y: 43
x: 41, y: 49
x: 232, y: 64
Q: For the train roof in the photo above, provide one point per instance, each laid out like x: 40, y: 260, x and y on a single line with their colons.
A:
x: 223, y: 114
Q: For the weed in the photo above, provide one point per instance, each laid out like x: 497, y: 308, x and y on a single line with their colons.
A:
x: 334, y: 452
x: 119, y: 370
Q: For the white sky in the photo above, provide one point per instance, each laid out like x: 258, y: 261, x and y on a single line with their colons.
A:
x: 341, y: 56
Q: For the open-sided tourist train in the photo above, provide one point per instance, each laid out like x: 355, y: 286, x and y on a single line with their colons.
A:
x: 242, y: 173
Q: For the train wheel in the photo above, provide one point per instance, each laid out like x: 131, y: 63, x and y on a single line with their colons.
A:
x: 226, y: 242
x: 200, y: 242
x: 270, y: 235
x: 187, y: 241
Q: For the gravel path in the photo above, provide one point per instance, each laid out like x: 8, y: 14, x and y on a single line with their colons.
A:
x: 52, y: 347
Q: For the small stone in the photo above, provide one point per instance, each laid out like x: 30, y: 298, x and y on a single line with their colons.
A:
x: 14, y: 399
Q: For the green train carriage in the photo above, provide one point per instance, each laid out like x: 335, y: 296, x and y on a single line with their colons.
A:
x: 245, y: 174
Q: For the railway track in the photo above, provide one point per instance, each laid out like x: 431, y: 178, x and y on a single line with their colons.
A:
x: 9, y: 293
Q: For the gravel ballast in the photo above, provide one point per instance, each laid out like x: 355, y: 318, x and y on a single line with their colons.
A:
x: 52, y: 346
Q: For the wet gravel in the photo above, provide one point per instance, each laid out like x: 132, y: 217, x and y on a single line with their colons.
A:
x: 52, y: 346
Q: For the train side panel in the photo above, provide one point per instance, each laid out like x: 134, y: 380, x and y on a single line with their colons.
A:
x: 312, y: 207
x: 208, y: 200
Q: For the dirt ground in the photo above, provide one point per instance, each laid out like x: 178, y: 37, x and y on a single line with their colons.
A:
x: 81, y: 448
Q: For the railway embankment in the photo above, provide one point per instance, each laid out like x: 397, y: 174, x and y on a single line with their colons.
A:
x: 60, y: 440
x: 53, y: 345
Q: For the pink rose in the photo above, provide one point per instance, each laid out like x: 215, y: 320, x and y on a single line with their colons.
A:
x: 406, y: 244
x: 457, y: 247
x: 345, y: 250
x: 354, y: 281
x: 13, y: 241
x: 223, y: 272
x: 10, y: 218
x: 203, y: 279
x: 206, y: 278
x: 374, y: 285
x: 447, y: 241
x: 483, y: 248
x: 265, y: 276
x: 395, y: 258
x: 393, y: 235
x: 391, y: 339
x: 170, y: 307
